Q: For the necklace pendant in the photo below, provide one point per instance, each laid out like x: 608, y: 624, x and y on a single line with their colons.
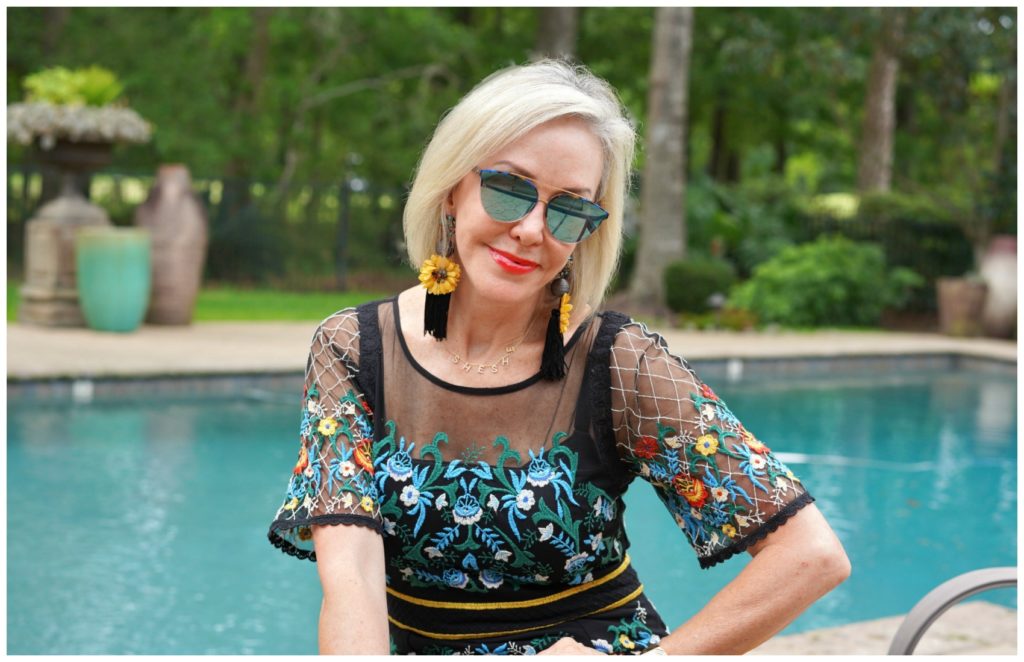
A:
x: 467, y: 366
x: 510, y: 349
x: 505, y: 360
x: 494, y: 368
x: 456, y: 358
x: 480, y: 369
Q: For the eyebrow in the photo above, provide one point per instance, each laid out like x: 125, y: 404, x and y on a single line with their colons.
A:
x: 582, y: 192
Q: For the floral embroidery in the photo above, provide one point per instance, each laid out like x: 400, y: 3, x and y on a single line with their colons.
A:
x: 719, y: 486
x: 333, y: 474
x: 501, y: 526
x: 631, y: 636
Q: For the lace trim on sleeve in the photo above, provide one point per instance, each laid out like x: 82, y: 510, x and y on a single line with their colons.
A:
x: 772, y: 525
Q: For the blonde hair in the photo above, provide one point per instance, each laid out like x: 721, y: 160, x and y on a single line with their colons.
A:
x: 501, y: 109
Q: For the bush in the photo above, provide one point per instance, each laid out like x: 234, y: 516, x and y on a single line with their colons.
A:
x: 751, y: 223
x: 689, y: 283
x: 916, y: 232
x: 830, y: 282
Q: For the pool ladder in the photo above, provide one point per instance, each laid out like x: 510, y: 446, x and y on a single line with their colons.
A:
x: 944, y: 596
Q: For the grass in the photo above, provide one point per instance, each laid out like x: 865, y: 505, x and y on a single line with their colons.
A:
x: 221, y: 304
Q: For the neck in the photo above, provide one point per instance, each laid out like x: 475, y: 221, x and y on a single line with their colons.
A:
x: 478, y: 327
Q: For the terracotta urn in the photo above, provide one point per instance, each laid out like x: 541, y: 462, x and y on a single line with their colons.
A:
x: 177, y: 223
x: 999, y: 269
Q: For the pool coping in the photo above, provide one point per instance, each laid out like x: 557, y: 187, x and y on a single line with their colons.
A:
x: 216, y: 357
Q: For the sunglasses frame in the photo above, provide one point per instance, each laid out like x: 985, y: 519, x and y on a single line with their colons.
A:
x: 589, y: 224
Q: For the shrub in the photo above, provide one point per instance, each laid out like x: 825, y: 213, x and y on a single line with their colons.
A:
x: 831, y: 281
x: 915, y: 231
x: 689, y: 283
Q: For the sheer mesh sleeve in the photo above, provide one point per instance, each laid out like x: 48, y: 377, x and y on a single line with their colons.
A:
x: 724, y: 487
x: 332, y: 480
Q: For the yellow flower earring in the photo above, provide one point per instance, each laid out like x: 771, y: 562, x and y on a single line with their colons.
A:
x: 552, y: 363
x: 439, y: 275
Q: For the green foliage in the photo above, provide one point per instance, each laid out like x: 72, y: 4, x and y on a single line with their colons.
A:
x: 93, y: 86
x: 689, y: 283
x: 830, y: 282
x: 915, y: 231
x: 747, y: 224
x: 730, y: 319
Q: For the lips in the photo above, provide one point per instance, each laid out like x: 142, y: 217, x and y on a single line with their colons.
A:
x: 512, y: 264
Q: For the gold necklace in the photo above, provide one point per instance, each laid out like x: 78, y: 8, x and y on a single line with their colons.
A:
x: 503, y: 360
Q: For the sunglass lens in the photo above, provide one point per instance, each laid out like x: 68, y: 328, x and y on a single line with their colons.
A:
x: 573, y: 219
x: 506, y: 197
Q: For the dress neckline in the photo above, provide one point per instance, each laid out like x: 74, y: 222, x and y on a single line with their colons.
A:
x: 475, y: 390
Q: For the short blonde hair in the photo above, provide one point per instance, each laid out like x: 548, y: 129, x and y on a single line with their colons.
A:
x: 499, y: 110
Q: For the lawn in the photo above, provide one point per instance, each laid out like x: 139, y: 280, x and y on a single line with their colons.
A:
x: 239, y: 304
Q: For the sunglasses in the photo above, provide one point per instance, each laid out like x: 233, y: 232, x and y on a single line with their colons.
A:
x: 507, y: 198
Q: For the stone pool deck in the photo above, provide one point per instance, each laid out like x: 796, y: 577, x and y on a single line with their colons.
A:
x: 40, y: 355
x: 210, y: 348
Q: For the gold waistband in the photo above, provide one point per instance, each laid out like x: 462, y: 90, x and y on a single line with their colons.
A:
x: 516, y: 604
x: 478, y: 635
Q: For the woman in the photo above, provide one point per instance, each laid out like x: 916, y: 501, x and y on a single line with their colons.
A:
x: 465, y: 445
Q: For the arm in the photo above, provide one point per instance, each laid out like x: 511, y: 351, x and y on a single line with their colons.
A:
x: 791, y: 568
x: 353, y: 614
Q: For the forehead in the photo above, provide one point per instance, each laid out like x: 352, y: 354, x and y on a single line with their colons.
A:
x: 563, y: 153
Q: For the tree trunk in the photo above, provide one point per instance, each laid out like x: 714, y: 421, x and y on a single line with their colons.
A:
x: 1007, y: 101
x: 246, y: 103
x: 874, y: 171
x: 663, y: 211
x: 557, y: 29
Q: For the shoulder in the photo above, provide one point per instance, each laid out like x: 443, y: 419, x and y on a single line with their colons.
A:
x: 343, y: 329
x: 635, y: 344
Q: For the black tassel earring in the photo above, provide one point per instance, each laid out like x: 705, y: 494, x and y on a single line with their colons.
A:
x: 552, y: 363
x: 440, y: 276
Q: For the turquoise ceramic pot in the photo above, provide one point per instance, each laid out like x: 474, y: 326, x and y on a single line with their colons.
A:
x: 112, y: 267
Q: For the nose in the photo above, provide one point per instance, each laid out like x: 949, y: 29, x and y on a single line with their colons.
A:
x: 529, y: 230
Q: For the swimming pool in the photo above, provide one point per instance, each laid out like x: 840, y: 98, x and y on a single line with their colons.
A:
x: 138, y: 525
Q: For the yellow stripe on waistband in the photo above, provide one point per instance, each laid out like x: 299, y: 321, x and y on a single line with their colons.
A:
x: 518, y: 604
x: 475, y: 635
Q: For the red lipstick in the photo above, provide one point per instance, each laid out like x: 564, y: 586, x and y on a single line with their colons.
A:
x: 511, y: 263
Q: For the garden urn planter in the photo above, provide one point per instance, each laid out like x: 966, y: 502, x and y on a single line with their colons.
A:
x: 961, y: 301
x: 999, y: 269
x: 113, y: 268
x: 49, y: 295
x: 177, y: 223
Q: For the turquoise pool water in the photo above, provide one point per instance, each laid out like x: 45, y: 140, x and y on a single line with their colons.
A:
x: 139, y: 526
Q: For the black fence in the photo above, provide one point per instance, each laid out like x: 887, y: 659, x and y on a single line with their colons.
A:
x: 315, y: 234
x: 931, y: 249
x: 312, y: 233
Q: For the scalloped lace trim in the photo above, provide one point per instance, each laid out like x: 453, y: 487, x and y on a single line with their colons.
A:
x: 777, y: 520
x: 287, y: 547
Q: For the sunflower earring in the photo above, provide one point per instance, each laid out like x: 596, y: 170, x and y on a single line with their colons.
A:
x: 439, y: 275
x: 552, y: 363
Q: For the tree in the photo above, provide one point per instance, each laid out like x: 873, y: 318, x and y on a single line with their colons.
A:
x: 663, y: 213
x: 874, y: 169
x: 557, y: 28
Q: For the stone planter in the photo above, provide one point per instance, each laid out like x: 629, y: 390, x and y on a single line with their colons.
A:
x: 49, y: 295
x: 961, y: 301
x: 113, y: 277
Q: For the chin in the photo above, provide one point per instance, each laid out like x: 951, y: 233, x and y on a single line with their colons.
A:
x: 504, y: 289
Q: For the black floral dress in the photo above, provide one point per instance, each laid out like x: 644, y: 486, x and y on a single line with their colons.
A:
x: 501, y: 508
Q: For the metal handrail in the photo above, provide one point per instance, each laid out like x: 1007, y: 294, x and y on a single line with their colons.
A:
x: 944, y: 596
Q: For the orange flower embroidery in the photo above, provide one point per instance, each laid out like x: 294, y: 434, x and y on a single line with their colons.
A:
x: 362, y: 456
x: 693, y: 490
x: 303, y: 462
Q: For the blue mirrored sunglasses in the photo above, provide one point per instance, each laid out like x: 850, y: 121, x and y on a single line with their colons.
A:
x: 507, y: 197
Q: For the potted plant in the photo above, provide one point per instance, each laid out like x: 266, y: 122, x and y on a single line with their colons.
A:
x: 72, y: 118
